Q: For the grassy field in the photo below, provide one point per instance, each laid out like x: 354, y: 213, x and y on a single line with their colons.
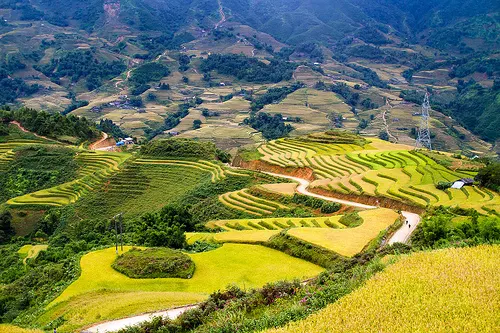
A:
x: 349, y: 241
x: 31, y: 251
x: 6, y: 328
x: 452, y: 290
x: 86, y: 309
x: 245, y: 265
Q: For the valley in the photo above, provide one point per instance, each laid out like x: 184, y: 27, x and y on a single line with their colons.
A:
x: 248, y: 166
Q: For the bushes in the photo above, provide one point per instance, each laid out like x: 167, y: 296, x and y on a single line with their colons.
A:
x: 326, y: 207
x: 165, y: 228
x: 272, y: 127
x: 248, y: 69
x: 443, y: 185
x: 303, y: 250
x: 351, y: 220
x: 439, y: 230
x: 154, y: 263
x: 178, y: 148
x: 489, y: 176
x: 330, y: 207
x: 152, y: 71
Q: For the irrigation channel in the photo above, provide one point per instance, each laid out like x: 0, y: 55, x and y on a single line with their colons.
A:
x: 402, y: 235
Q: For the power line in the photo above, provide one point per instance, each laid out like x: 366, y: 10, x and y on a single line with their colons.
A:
x: 424, y: 133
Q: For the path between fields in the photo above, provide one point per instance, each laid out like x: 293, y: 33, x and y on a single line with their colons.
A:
x: 222, y: 15
x: 401, y: 236
x: 26, y: 131
x: 388, y: 103
x: 102, y: 139
x: 115, y: 325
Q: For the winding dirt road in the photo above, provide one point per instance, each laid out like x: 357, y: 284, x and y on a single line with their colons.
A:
x: 400, y: 236
x: 26, y: 131
x: 115, y: 325
x: 222, y: 15
x: 104, y: 137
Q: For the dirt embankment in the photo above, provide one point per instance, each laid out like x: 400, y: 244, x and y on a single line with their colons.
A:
x: 304, y: 173
x: 369, y: 200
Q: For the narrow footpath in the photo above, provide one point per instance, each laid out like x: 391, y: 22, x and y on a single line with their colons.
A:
x: 115, y: 325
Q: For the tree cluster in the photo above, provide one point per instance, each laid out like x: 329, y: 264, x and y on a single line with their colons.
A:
x: 271, y: 126
x: 274, y: 95
x: 248, y: 69
x: 82, y: 64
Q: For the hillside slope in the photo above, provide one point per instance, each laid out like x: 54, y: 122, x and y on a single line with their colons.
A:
x: 446, y: 290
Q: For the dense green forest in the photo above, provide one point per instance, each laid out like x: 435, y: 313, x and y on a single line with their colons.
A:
x: 82, y: 64
x: 273, y: 95
x: 271, y: 126
x: 474, y: 106
x: 52, y: 125
x: 248, y: 69
x: 13, y: 88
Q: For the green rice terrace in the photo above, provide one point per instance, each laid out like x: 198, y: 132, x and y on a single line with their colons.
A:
x: 378, y: 170
x: 245, y: 226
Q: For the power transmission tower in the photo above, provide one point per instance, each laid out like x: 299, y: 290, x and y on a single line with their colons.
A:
x: 424, y: 133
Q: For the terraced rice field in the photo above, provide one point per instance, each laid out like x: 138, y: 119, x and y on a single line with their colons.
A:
x: 245, y: 202
x: 245, y: 265
x: 217, y: 171
x: 140, y: 188
x: 416, y: 294
x: 6, y: 328
x: 296, y: 153
x: 278, y: 223
x: 403, y: 175
x: 95, y: 167
x: 7, y: 151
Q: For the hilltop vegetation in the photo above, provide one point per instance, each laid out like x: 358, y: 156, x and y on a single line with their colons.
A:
x: 52, y: 125
x: 154, y: 263
x: 37, y: 167
x: 82, y: 64
x: 249, y: 69
x: 180, y: 148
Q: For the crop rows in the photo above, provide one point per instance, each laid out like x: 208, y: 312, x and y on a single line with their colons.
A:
x: 141, y: 188
x: 7, y: 151
x: 394, y: 299
x: 95, y: 167
x: 217, y: 171
x: 402, y: 175
x: 296, y: 153
x: 277, y: 223
x: 407, y: 176
x: 247, y: 203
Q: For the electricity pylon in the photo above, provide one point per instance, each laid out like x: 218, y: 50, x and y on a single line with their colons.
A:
x: 424, y: 133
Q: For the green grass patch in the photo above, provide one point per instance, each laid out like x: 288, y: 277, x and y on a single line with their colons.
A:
x: 154, y: 263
